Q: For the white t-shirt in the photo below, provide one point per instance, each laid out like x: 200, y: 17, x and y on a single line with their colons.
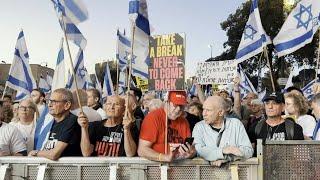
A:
x: 11, y: 140
x: 102, y: 113
x: 307, y: 123
x: 27, y: 132
x: 91, y: 113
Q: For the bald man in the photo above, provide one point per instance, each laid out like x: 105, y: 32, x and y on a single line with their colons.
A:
x: 219, y: 139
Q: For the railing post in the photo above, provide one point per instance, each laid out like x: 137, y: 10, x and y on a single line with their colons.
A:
x: 234, y: 172
x: 260, y: 158
x: 137, y: 171
x: 113, y: 171
x: 3, y: 171
x: 164, y: 171
x: 41, y: 171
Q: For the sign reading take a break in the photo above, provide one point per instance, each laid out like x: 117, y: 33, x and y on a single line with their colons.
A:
x: 216, y: 72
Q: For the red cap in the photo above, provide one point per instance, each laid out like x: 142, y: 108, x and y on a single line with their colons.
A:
x: 178, y: 97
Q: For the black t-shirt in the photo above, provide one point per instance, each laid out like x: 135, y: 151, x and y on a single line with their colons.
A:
x: 67, y: 131
x: 277, y: 133
x: 109, y: 141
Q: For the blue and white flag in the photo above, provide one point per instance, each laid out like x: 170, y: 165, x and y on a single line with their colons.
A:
x: 43, y: 85
x: 299, y: 28
x: 107, y: 83
x: 21, y: 96
x: 43, y: 127
x: 138, y: 14
x: 98, y: 84
x: 58, y: 80
x: 254, y: 38
x: 89, y: 83
x: 67, y: 25
x: 80, y: 72
x: 307, y: 90
x: 74, y: 10
x: 245, y: 83
x: 20, y: 76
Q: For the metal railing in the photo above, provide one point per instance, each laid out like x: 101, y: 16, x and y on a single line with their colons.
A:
x: 123, y: 168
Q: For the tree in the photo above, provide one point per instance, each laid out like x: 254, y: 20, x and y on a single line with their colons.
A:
x: 272, y: 17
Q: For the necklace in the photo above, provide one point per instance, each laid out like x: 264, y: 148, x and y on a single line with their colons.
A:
x: 109, y: 131
x: 269, y: 129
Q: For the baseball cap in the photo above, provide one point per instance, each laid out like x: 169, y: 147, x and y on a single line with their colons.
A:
x: 178, y: 97
x: 276, y: 96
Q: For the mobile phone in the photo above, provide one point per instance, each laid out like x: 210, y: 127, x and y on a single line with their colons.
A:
x: 189, y: 140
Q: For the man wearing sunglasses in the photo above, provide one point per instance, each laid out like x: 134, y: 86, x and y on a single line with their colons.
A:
x: 64, y: 136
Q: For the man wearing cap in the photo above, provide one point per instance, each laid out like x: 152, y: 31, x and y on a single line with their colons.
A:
x: 153, y: 128
x: 275, y: 127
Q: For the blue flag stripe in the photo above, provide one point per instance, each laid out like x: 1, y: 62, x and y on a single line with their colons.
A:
x: 73, y: 7
x: 290, y: 44
x: 250, y: 48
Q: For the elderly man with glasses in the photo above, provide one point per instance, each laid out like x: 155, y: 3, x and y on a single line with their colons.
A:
x: 152, y: 142
x: 65, y: 133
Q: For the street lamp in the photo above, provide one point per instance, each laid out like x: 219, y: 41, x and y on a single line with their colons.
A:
x: 210, y: 46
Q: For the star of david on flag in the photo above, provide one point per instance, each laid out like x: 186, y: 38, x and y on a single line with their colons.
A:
x: 245, y: 84
x: 299, y: 28
x: 254, y: 38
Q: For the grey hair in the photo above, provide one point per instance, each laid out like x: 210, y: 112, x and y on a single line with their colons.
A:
x: 66, y: 94
x: 155, y: 103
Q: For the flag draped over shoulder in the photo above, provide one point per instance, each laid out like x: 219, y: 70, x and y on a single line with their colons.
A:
x: 58, y: 80
x: 80, y: 72
x: 20, y: 76
x: 138, y: 15
x: 107, y: 84
x: 245, y: 83
x: 254, y: 38
x: 42, y: 130
x: 299, y: 28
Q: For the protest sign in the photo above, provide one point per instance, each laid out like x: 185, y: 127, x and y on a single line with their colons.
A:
x: 216, y: 72
x: 167, y: 57
x: 142, y: 84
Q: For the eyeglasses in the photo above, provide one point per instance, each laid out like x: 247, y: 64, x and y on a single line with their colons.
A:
x: 24, y: 108
x: 54, y: 102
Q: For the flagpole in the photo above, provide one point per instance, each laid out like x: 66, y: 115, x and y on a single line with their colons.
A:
x: 265, y: 51
x: 70, y: 58
x: 4, y: 91
x: 318, y: 56
x: 117, y: 90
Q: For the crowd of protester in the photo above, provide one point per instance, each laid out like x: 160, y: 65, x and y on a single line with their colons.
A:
x: 218, y: 128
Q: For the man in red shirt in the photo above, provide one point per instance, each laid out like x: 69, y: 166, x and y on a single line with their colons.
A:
x: 152, y: 133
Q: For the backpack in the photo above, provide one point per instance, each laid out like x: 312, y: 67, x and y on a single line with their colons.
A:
x: 289, y: 125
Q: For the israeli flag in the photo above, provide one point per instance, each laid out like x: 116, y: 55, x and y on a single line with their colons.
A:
x: 43, y: 85
x: 122, y: 79
x: 138, y: 14
x: 245, y: 83
x: 20, y: 77
x: 307, y: 90
x: 58, y: 80
x: 43, y: 127
x: 80, y: 72
x: 21, y: 96
x: 75, y: 10
x: 299, y: 28
x: 69, y: 26
x: 89, y: 83
x: 254, y: 38
x: 107, y: 84
x: 98, y: 84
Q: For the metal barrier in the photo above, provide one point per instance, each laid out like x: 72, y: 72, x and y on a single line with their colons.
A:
x: 291, y: 160
x: 96, y: 168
